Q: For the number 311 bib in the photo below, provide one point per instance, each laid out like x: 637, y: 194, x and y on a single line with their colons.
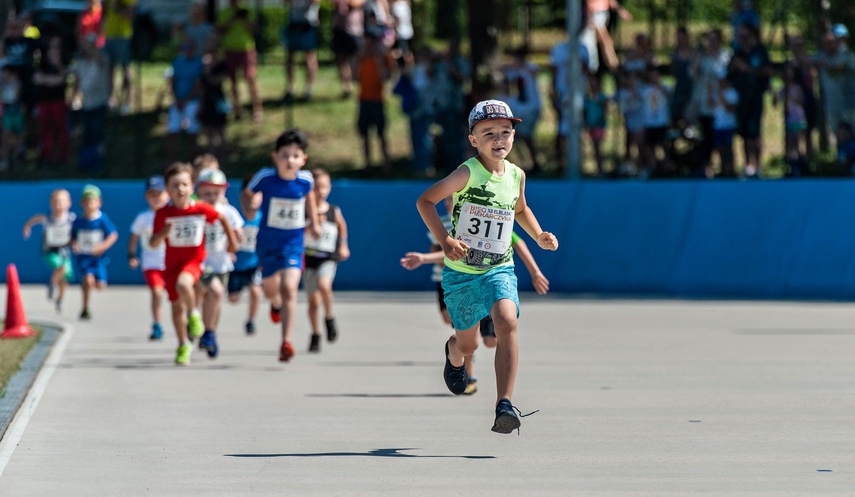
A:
x: 485, y: 228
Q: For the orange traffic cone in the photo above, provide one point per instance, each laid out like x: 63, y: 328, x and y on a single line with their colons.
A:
x: 16, y: 320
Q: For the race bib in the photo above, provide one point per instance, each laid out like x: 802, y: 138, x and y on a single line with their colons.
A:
x: 58, y: 235
x: 250, y: 235
x: 286, y: 213
x: 187, y: 231
x: 87, y: 240
x: 485, y: 228
x: 215, y: 238
x: 327, y: 241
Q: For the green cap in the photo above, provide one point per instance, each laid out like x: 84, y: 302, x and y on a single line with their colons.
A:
x: 91, y: 191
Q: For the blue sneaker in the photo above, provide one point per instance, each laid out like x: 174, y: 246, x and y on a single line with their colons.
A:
x: 156, y: 332
x: 208, y: 342
x: 456, y: 379
x: 506, y: 417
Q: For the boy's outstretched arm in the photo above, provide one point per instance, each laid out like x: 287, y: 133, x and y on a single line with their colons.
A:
x: 526, y: 219
x: 412, y: 260
x: 541, y: 284
x: 313, y: 215
x: 28, y: 226
x: 426, y: 204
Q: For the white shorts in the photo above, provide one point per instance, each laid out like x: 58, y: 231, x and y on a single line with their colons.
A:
x: 312, y: 275
x: 185, y: 119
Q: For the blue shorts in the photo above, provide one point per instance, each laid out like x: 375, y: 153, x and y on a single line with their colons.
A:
x: 118, y: 51
x: 273, y: 261
x: 470, y: 297
x: 242, y: 278
x: 96, y: 266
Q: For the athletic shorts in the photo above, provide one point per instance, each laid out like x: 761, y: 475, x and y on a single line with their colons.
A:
x: 240, y: 279
x: 246, y: 61
x: 470, y: 297
x: 56, y: 260
x: 440, y: 295
x: 208, y: 277
x: 301, y: 38
x: 371, y: 115
x: 313, y: 274
x: 170, y: 277
x: 119, y: 51
x: 345, y: 44
x: 96, y: 266
x: 185, y: 119
x: 154, y: 278
x: 486, y: 324
x: 278, y: 259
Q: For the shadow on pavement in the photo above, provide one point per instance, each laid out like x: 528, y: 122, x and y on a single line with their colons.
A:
x: 379, y: 395
x: 370, y: 453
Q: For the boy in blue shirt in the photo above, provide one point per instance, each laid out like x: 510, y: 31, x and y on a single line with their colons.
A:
x: 246, y: 273
x: 92, y: 234
x: 288, y: 207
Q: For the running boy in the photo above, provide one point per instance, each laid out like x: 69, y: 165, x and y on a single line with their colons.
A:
x: 322, y: 256
x: 288, y: 203
x: 56, y: 242
x: 478, y: 278
x: 181, y: 226
x: 152, y: 259
x: 218, y: 264
x: 92, y: 234
x: 246, y: 273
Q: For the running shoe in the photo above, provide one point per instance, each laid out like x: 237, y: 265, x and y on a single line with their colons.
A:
x: 195, y: 327
x: 506, y: 417
x: 332, y: 331
x: 182, y: 357
x: 85, y: 315
x: 50, y: 290
x: 472, y: 386
x: 486, y: 328
x: 58, y: 305
x: 456, y: 378
x: 208, y: 342
x: 156, y: 332
x: 315, y: 346
x: 250, y: 328
x: 274, y: 314
x: 286, y: 352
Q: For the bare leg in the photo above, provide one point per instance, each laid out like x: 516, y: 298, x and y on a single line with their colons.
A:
x: 271, y: 286
x: 311, y: 71
x: 504, y: 314
x: 462, y: 345
x: 213, y: 304
x: 185, y: 304
x: 326, y: 292
x: 289, y: 73
x: 156, y: 304
x: 86, y: 285
x: 254, y: 300
x: 290, y: 281
x: 314, y: 314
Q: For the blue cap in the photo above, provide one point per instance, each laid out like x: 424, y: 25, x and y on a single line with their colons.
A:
x: 840, y: 31
x: 155, y: 183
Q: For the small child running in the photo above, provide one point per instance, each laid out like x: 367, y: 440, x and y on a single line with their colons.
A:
x: 322, y: 256
x: 288, y: 204
x: 246, y: 273
x: 211, y: 188
x: 92, y: 234
x: 152, y: 260
x: 478, y: 278
x: 56, y: 242
x: 181, y: 226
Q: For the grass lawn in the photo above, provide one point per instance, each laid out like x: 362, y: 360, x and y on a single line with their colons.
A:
x: 12, y: 354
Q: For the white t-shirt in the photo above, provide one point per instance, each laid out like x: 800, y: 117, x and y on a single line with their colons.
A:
x: 403, y: 15
x: 150, y: 258
x: 219, y: 260
x: 722, y: 117
x: 654, y: 108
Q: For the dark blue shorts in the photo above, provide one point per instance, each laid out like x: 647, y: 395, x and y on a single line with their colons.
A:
x: 240, y: 279
x: 96, y: 266
x: 273, y: 261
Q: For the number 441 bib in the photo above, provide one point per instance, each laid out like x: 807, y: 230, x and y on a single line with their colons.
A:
x: 287, y: 213
x: 485, y: 228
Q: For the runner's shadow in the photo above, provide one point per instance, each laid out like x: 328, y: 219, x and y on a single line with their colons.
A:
x: 378, y: 395
x: 370, y: 453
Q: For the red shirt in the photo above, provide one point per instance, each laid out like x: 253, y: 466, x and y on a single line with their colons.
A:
x: 186, y: 241
x: 90, y: 24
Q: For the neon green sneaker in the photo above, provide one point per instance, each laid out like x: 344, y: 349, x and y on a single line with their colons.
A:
x: 195, y: 326
x: 182, y: 358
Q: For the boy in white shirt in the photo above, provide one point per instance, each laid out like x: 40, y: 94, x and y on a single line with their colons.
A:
x: 724, y: 101
x: 152, y: 259
x: 211, y: 188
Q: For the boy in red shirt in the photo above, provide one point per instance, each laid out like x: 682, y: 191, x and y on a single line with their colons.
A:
x: 181, y: 224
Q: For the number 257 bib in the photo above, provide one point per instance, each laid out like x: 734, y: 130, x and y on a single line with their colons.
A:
x: 485, y: 228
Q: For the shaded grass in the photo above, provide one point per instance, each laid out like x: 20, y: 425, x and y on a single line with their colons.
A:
x: 12, y: 354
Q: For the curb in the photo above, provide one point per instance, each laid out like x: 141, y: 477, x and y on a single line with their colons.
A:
x: 21, y: 382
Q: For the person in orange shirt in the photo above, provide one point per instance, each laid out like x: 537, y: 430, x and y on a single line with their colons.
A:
x: 374, y: 69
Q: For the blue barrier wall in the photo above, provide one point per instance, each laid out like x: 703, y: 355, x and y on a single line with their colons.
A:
x: 774, y: 239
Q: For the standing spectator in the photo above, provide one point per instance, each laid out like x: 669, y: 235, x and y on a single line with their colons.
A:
x: 198, y: 28
x: 806, y: 79
x: 595, y: 106
x: 750, y: 70
x: 743, y: 15
x: 377, y: 18
x: 21, y: 56
x: 631, y: 107
x: 657, y: 118
x: 302, y: 36
x: 795, y: 121
x: 836, y: 66
x: 214, y: 108
x: 237, y: 33
x: 596, y: 33
x: 348, y: 29
x: 682, y: 59
x: 13, y: 116
x: 724, y: 100
x: 51, y: 81
x: 560, y: 94
x: 402, y: 15
x: 90, y: 22
x: 374, y: 70
x: 91, y: 94
x: 118, y: 30
x: 449, y: 80
x: 186, y: 90
x: 713, y: 62
x: 524, y: 100
x: 414, y: 89
x: 640, y: 57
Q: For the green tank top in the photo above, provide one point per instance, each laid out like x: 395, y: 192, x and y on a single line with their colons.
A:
x: 483, y: 218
